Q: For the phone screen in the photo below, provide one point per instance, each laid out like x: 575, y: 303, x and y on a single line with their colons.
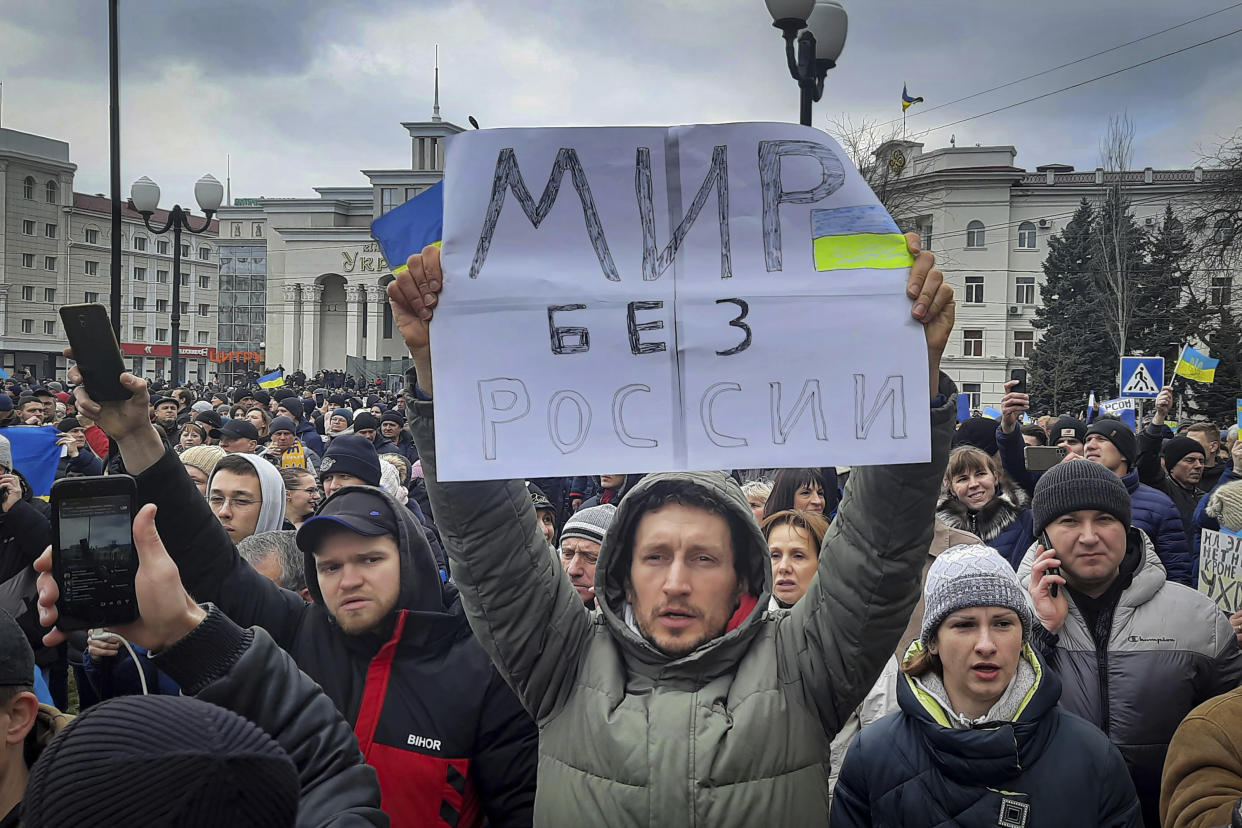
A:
x: 97, y: 562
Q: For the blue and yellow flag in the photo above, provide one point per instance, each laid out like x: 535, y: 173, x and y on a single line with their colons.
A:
x: 906, y: 100
x: 1196, y: 366
x: 407, y: 229
x: 849, y: 238
x: 272, y: 380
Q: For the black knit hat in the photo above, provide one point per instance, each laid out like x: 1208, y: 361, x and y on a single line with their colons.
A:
x: 393, y: 417
x: 352, y: 454
x: 979, y: 432
x: 1078, y: 484
x: 17, y: 663
x: 1067, y: 427
x: 1177, y: 448
x: 1120, y: 435
x: 364, y: 420
x: 241, y: 394
x: 282, y: 423
x: 202, y: 765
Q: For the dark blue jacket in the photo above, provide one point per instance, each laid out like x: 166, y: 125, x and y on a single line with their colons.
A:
x: 1046, y: 768
x: 116, y: 675
x: 1004, y: 524
x: 309, y: 436
x: 1154, y: 513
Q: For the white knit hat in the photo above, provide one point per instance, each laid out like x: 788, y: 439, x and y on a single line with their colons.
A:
x: 590, y: 524
x: 971, y: 575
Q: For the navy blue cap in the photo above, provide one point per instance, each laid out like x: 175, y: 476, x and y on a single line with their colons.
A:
x: 359, y: 511
x: 235, y: 428
x: 351, y: 454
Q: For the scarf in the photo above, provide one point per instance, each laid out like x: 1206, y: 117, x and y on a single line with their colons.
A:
x: 293, y: 457
x: 1004, y: 710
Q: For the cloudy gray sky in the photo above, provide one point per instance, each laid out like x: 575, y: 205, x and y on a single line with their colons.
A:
x: 305, y: 93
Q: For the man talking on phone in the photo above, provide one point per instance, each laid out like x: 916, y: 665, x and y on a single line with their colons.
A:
x: 386, y: 639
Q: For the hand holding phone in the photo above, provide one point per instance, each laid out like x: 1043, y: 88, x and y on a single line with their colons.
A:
x: 95, y: 349
x: 1053, y: 589
x: 93, y: 555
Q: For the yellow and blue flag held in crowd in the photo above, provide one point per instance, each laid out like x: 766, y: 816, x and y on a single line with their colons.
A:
x: 272, y: 380
x: 857, y: 237
x: 407, y: 229
x: 906, y: 100
x: 1196, y: 366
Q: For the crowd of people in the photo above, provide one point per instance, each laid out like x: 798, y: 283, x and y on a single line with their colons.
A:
x: 329, y: 635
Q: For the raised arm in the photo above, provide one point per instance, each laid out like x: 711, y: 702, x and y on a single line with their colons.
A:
x: 1009, y: 438
x: 1151, y: 440
x: 520, y: 604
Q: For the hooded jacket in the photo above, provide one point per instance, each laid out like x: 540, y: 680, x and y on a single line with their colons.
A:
x: 737, y: 732
x: 272, y: 487
x: 449, y: 741
x: 1169, y: 649
x: 1004, y: 523
x: 1044, y: 769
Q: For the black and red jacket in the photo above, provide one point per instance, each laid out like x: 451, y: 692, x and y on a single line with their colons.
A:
x: 448, y: 739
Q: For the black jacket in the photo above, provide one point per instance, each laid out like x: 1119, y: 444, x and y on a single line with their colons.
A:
x: 448, y: 738
x: 244, y: 671
x: 1045, y: 769
x: 1151, y: 472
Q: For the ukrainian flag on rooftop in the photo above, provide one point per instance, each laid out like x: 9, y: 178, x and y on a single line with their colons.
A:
x: 851, y: 238
x: 272, y: 380
x: 1196, y: 366
x: 407, y: 229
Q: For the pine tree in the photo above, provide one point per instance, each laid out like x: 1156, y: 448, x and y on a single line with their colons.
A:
x: 1166, y: 312
x: 1218, y: 400
x: 1074, y: 354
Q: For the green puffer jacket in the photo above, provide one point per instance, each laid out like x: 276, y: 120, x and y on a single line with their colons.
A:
x: 736, y: 733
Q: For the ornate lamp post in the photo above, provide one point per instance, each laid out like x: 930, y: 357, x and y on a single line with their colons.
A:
x: 145, y: 194
x: 823, y: 26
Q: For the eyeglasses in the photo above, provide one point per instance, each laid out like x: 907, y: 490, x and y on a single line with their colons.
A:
x: 217, y: 501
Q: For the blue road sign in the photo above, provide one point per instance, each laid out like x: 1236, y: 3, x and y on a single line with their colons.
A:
x: 1141, y: 376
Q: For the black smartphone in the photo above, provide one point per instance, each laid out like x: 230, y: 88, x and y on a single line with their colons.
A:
x: 1053, y: 589
x: 93, y: 556
x: 95, y: 350
x: 1018, y: 375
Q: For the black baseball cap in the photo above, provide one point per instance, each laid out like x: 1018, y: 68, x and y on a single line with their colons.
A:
x: 360, y: 511
x: 234, y: 429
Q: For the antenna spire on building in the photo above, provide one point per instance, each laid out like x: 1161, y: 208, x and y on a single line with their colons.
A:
x: 435, y: 110
x: 228, y: 180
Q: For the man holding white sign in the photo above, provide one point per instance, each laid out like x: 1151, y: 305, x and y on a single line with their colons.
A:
x: 682, y: 700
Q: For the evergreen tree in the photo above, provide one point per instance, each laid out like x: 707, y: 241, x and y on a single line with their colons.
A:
x: 1119, y: 269
x: 1218, y: 400
x: 1165, y: 311
x: 1074, y: 354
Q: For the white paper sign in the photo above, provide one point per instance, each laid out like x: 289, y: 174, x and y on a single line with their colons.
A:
x: 623, y: 300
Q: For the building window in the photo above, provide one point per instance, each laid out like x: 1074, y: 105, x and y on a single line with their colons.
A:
x: 90, y: 268
x: 202, y: 337
x: 27, y: 326
x: 90, y: 297
x: 185, y: 251
x: 974, y: 234
x: 974, y: 393
x: 1023, y: 343
x: 972, y: 343
x: 49, y: 231
x: 140, y: 242
x: 237, y: 229
x: 161, y: 306
x: 974, y: 290
x: 49, y: 294
x: 140, y: 303
x: 204, y: 282
x: 27, y: 293
x: 161, y: 334
x: 92, y: 236
x: 28, y: 227
x: 181, y: 335
x: 50, y: 192
x: 140, y: 274
x: 256, y: 229
x: 161, y: 276
x: 140, y: 333
x: 204, y: 253
x: 1222, y: 290
x: 49, y: 263
x: 185, y: 280
x: 28, y: 191
x: 388, y: 198
x: 202, y: 309
x: 1025, y: 290
x: 161, y: 247
x: 184, y: 309
x: 1026, y: 235
x: 49, y: 327
x: 28, y: 260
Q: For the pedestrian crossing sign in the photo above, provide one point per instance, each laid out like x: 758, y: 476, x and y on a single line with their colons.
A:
x: 1141, y: 376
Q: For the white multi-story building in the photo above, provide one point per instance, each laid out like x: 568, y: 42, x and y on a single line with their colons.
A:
x: 988, y: 221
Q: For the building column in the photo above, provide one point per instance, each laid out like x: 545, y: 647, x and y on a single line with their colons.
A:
x: 354, y: 295
x: 292, y: 316
x: 309, y: 358
x: 376, y: 296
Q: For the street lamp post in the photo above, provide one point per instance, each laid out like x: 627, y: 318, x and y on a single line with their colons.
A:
x: 145, y: 194
x: 823, y: 26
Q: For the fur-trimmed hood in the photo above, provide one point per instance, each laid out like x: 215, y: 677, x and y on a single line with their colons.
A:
x: 1002, y: 510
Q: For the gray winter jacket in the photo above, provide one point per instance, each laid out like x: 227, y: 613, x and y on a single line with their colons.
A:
x: 738, y: 732
x: 1169, y: 650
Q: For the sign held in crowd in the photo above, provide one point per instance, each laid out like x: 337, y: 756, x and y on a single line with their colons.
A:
x: 654, y: 299
x: 1220, y: 569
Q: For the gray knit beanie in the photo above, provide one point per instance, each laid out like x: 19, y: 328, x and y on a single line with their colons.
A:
x: 1068, y: 487
x: 971, y: 575
x: 590, y: 524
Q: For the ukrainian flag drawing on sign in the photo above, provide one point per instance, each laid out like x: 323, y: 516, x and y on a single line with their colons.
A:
x: 407, y: 229
x: 849, y: 238
x: 1196, y: 366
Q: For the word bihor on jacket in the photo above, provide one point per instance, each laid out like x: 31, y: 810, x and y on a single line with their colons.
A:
x: 737, y: 732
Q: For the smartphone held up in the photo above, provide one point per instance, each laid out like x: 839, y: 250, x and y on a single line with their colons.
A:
x: 94, y: 560
x: 95, y: 350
